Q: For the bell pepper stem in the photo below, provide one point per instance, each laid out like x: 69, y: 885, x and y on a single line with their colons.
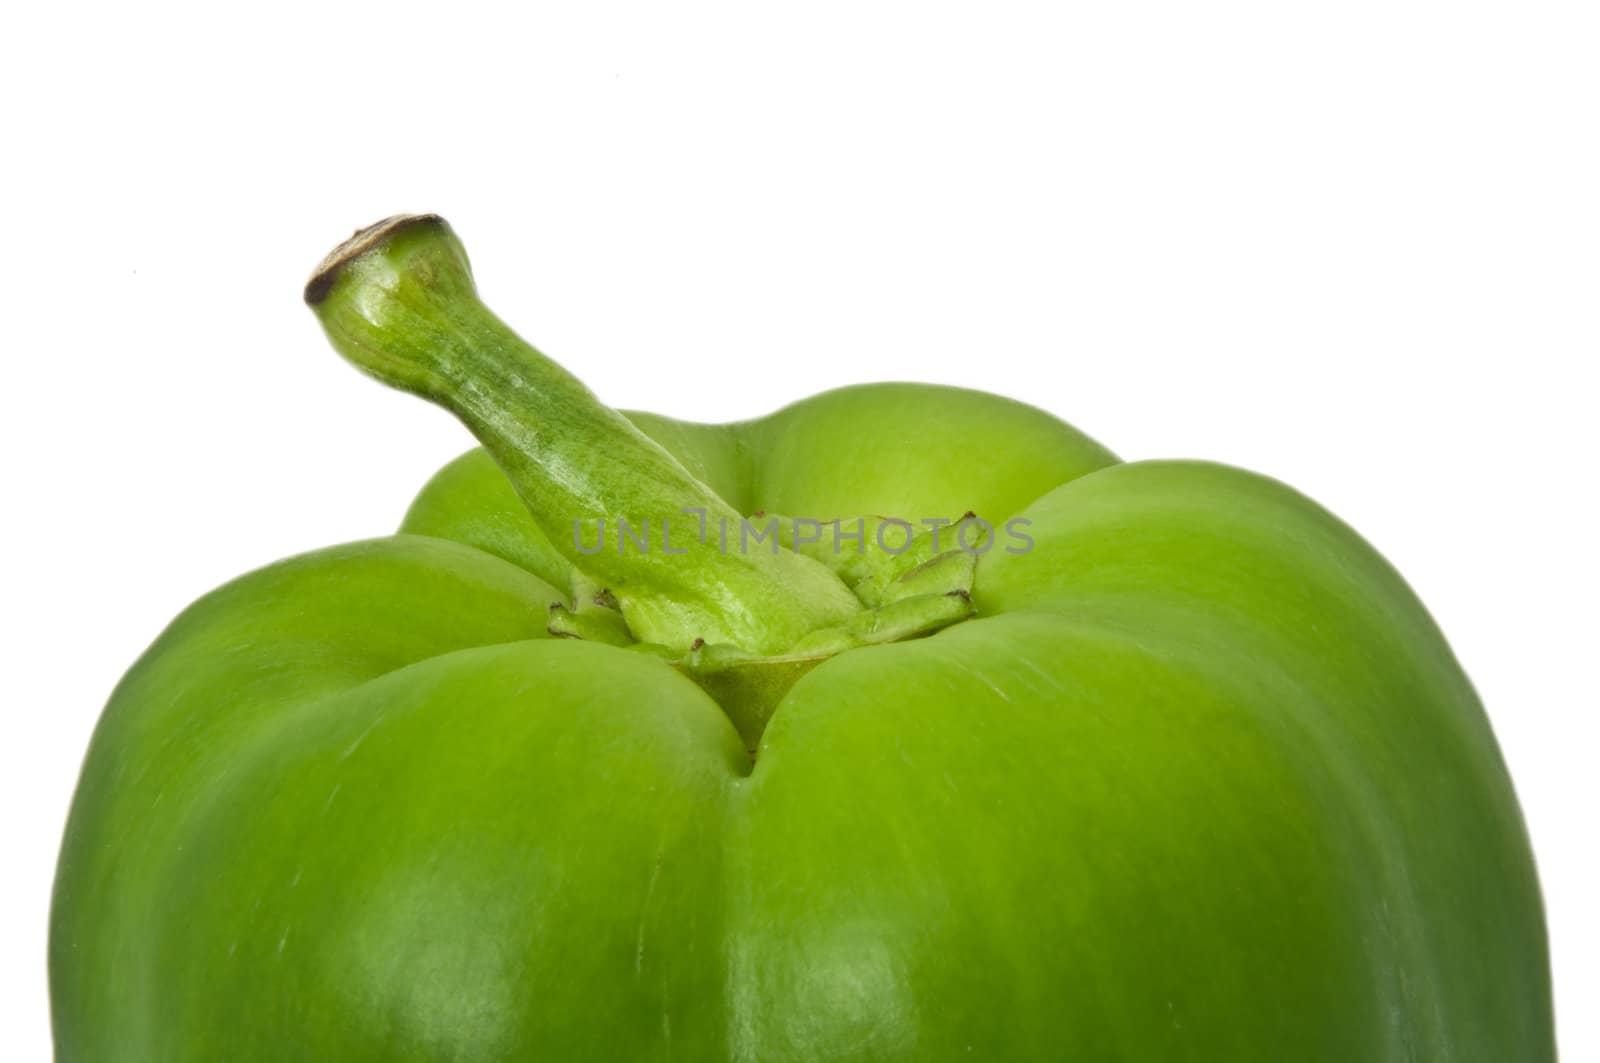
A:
x: 398, y: 300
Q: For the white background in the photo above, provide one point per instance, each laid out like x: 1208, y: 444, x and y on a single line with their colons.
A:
x: 1352, y: 245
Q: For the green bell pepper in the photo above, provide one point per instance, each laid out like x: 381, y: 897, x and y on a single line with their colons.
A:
x: 906, y: 723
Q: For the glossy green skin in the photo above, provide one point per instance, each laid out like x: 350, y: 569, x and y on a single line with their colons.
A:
x: 1201, y: 782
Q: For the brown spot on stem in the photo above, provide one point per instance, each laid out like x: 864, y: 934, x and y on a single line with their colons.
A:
x: 360, y: 242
